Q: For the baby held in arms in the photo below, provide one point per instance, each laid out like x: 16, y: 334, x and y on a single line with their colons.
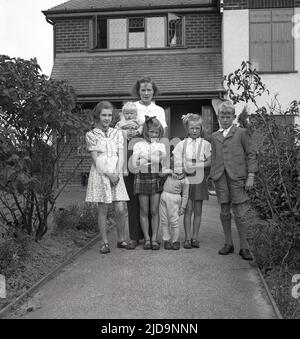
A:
x: 129, y: 120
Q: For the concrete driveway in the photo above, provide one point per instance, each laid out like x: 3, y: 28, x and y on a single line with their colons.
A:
x: 187, y: 284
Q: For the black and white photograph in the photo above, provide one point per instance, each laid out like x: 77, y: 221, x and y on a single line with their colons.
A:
x: 149, y: 162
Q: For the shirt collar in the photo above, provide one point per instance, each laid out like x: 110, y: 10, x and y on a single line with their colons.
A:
x: 190, y: 140
x: 225, y: 130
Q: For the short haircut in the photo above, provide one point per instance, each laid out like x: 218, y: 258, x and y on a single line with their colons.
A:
x: 99, y: 107
x: 225, y: 106
x: 191, y: 117
x: 143, y: 80
x: 129, y: 107
x: 152, y: 123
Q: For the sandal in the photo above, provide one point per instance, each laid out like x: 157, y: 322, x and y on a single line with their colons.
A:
x: 122, y: 244
x: 104, y: 248
x: 155, y: 245
x: 132, y: 244
x: 147, y: 245
x: 187, y: 244
x: 195, y: 243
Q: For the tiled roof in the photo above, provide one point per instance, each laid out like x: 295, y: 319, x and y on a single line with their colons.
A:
x: 86, y: 5
x: 115, y: 75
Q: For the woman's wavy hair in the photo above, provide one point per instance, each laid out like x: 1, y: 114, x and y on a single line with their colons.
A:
x: 137, y: 86
x: 152, y: 123
x: 191, y: 117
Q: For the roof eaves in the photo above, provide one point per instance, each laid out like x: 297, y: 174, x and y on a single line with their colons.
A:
x: 121, y: 9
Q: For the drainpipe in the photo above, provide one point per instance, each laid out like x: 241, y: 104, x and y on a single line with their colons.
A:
x: 54, y: 36
x: 221, y: 3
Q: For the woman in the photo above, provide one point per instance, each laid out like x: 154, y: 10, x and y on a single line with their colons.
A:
x: 145, y: 88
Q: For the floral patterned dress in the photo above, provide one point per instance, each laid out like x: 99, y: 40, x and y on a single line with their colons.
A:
x: 108, y: 145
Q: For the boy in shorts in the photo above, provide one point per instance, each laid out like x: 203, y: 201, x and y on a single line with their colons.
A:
x: 233, y: 167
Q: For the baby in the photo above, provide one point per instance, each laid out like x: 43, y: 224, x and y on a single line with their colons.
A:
x: 129, y: 120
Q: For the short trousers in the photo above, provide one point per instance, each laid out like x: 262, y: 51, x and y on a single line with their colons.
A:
x: 230, y: 191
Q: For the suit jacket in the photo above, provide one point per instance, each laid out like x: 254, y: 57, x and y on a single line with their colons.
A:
x: 234, y: 153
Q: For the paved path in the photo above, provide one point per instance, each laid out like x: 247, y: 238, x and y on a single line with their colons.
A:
x: 194, y: 284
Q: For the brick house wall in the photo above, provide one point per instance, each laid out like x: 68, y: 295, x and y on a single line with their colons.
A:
x: 235, y: 4
x: 202, y: 31
x: 71, y: 35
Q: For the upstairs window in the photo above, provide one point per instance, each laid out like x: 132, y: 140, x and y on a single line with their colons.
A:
x: 136, y: 32
x: 175, y: 36
x: 271, y: 39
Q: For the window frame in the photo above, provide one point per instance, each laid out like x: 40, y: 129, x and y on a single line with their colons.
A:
x: 270, y: 23
x: 145, y: 17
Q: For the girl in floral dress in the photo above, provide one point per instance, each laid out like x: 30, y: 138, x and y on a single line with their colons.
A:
x: 106, y: 184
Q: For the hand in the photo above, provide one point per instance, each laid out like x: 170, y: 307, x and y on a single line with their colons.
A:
x: 145, y: 155
x: 143, y: 162
x: 114, y: 178
x: 130, y: 134
x: 181, y: 210
x: 249, y: 183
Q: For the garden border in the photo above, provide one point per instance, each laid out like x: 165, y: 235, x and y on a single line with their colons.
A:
x: 56, y: 271
x: 271, y: 299
x: 48, y: 277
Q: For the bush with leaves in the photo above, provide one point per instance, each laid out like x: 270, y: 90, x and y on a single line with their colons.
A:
x: 275, y: 237
x: 35, y: 114
x: 81, y: 217
x: 277, y: 142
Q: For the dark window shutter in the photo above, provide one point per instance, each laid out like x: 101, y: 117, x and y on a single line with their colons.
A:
x: 282, y: 40
x: 282, y: 46
x: 260, y: 46
x: 271, y: 40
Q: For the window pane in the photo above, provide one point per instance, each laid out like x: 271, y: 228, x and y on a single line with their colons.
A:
x: 136, y: 25
x: 137, y: 40
x: 155, y: 32
x: 174, y: 30
x: 260, y: 46
x: 117, y: 33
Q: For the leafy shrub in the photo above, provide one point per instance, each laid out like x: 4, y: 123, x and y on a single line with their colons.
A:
x: 276, y: 140
x: 35, y: 115
x: 11, y: 252
x: 275, y: 228
x: 80, y: 217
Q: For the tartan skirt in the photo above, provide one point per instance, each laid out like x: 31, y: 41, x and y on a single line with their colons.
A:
x: 147, y: 183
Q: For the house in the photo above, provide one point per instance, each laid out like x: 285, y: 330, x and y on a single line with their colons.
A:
x: 101, y: 47
x: 266, y: 32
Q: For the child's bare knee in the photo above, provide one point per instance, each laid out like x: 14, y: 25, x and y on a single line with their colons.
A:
x: 154, y: 212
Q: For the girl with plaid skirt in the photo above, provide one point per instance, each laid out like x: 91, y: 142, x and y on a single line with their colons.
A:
x: 146, y: 158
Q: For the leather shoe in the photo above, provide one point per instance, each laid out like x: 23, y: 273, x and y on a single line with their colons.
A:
x: 227, y: 249
x: 245, y: 254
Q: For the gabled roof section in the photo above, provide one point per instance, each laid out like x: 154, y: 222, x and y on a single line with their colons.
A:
x: 176, y: 75
x: 109, y: 5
